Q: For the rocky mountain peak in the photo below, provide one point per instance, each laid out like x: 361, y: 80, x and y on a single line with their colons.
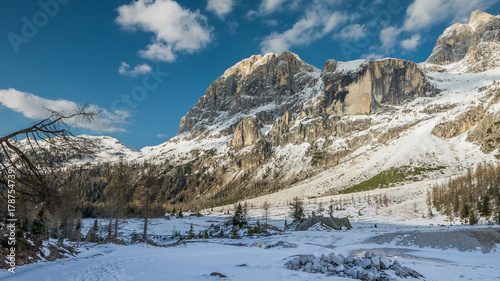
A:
x: 261, y: 85
x: 479, y: 17
x: 247, y: 66
x: 475, y: 45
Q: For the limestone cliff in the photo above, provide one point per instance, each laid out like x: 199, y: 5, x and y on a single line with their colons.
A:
x: 280, y: 90
x: 246, y: 133
x: 476, y: 44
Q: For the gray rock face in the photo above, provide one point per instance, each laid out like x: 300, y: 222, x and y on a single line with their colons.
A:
x: 281, y: 89
x: 476, y: 43
x: 452, y: 45
x: 365, y: 89
x: 267, y: 84
x: 246, y: 133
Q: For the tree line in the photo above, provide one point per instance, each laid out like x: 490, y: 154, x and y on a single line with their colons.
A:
x: 471, y: 196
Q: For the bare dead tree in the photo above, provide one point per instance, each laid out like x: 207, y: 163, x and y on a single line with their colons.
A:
x: 266, y: 206
x: 34, y: 165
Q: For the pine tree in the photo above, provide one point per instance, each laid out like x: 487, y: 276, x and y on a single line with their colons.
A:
x: 78, y: 233
x: 297, y: 210
x: 239, y: 218
x: 39, y: 223
x: 472, y: 218
x: 94, y: 236
x: 191, y: 231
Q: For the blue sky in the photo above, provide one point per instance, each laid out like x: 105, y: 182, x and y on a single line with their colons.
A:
x: 145, y: 63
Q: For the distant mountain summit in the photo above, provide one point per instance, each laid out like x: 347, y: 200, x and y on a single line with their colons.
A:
x: 475, y: 45
x: 266, y: 88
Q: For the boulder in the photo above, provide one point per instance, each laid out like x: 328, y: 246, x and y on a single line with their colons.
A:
x: 385, y: 263
x: 258, y: 245
x: 337, y: 260
x: 352, y: 272
x: 350, y: 260
x: 369, y: 255
x: 375, y: 262
x: 340, y: 268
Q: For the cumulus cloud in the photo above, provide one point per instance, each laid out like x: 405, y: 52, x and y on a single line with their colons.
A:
x: 220, y: 7
x: 316, y: 23
x: 175, y: 29
x: 35, y: 107
x: 388, y: 37
x: 139, y: 69
x: 411, y: 43
x: 422, y: 14
x: 352, y: 32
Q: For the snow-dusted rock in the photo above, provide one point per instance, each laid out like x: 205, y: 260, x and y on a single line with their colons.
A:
x: 258, y: 245
x: 369, y: 255
x: 337, y: 260
x: 375, y: 262
x: 385, y: 263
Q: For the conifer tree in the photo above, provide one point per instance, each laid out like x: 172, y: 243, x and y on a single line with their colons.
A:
x: 39, y: 225
x: 239, y: 218
x: 297, y: 209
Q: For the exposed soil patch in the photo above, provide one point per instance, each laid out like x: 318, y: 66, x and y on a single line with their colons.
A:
x: 462, y: 240
x: 396, y: 254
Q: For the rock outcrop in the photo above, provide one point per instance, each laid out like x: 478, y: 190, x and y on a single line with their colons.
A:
x: 461, y: 124
x: 285, y: 92
x: 366, y: 87
x: 476, y: 43
x: 267, y: 87
x: 246, y: 133
x: 487, y: 133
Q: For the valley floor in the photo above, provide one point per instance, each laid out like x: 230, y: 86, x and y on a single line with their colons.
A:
x: 237, y: 260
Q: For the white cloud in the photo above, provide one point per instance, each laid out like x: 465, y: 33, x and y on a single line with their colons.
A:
x: 161, y: 136
x: 422, y: 14
x: 388, y: 37
x: 316, y: 23
x: 352, y: 32
x: 412, y: 43
x: 176, y: 29
x: 220, y: 7
x: 270, y: 6
x: 372, y: 56
x: 267, y: 7
x: 139, y: 69
x: 35, y: 107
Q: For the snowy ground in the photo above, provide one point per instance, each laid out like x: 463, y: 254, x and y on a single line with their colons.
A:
x: 236, y: 259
